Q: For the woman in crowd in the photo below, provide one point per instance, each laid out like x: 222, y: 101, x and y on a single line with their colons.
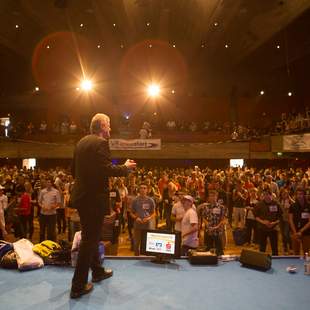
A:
x: 29, y: 191
x: 123, y: 192
x: 3, y: 207
x: 24, y: 212
x: 285, y: 202
x: 250, y: 221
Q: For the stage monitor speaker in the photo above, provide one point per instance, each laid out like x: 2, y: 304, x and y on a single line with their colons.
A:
x: 201, y: 258
x: 255, y: 260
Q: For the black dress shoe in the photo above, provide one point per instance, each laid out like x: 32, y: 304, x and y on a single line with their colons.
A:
x: 102, y: 274
x: 85, y: 290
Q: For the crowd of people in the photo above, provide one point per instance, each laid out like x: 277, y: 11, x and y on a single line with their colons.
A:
x: 202, y: 204
x: 286, y: 123
x: 293, y: 122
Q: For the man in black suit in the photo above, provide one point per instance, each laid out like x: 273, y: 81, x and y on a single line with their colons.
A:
x: 92, y: 168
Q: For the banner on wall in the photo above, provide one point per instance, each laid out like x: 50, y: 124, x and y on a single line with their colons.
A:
x: 296, y: 143
x: 135, y: 144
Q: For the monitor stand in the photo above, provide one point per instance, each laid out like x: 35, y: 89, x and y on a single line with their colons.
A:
x: 160, y: 259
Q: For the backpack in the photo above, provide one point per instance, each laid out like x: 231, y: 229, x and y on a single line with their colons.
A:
x: 46, y: 248
x: 5, y: 247
x: 8, y: 261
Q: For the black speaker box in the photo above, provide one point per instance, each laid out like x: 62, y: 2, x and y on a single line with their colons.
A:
x: 255, y: 260
x: 201, y: 258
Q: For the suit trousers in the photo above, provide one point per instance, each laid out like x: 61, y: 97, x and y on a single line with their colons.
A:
x: 48, y: 223
x: 273, y: 237
x: 88, y: 257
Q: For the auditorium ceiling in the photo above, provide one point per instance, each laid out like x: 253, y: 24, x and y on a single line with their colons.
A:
x: 205, y: 36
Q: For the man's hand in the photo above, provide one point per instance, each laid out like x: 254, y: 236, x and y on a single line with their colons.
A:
x: 145, y: 220
x: 130, y: 164
x: 297, y: 235
x: 269, y: 224
x: 138, y: 220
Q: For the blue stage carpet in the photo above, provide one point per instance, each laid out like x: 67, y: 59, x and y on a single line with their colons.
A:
x: 139, y: 284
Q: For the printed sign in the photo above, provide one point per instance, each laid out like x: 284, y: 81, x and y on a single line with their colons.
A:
x: 296, y: 143
x: 160, y: 243
x: 135, y: 144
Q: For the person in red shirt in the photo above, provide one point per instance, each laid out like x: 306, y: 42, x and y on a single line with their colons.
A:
x: 247, y: 183
x: 24, y: 211
x: 162, y: 185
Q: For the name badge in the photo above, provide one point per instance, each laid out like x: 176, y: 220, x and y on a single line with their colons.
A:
x: 273, y: 208
x: 216, y: 211
x: 112, y: 194
x: 305, y: 215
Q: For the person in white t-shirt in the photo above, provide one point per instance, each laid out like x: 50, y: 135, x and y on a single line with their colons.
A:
x: 177, y: 212
x: 189, y: 225
x: 3, y: 206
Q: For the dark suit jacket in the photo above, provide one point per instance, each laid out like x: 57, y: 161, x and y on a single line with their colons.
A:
x: 91, y: 169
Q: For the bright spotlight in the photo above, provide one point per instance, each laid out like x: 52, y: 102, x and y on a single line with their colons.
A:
x: 153, y: 90
x: 86, y: 85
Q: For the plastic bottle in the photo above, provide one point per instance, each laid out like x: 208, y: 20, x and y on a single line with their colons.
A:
x: 307, y: 264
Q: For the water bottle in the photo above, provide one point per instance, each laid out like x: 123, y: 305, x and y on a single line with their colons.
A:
x: 307, y: 264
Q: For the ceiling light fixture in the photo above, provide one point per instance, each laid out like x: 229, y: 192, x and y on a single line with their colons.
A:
x: 153, y: 90
x: 86, y: 85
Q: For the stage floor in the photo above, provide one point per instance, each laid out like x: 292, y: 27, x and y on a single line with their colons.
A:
x: 140, y: 284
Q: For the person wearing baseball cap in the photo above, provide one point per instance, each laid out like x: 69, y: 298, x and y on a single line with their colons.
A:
x: 189, y: 225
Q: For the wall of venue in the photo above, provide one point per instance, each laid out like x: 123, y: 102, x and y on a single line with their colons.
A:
x: 255, y: 110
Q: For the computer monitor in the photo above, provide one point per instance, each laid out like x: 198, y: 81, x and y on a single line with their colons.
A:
x: 162, y: 244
